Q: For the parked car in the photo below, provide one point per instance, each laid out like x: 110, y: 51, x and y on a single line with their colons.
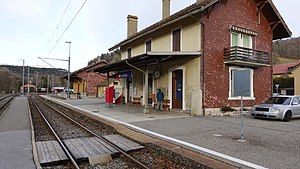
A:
x: 278, y: 107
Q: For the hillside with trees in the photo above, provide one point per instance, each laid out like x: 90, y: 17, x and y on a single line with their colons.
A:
x: 9, y: 81
x: 286, y: 51
x: 108, y: 57
x: 12, y: 75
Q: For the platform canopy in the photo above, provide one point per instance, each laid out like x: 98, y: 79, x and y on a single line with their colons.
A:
x: 149, y: 58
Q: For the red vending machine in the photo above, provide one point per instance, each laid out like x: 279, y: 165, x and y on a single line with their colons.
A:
x: 109, y: 95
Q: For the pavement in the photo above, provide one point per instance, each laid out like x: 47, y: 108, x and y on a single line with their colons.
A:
x: 124, y: 113
x: 269, y: 143
x: 15, y: 137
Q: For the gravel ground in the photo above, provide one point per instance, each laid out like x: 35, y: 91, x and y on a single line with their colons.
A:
x: 41, y: 130
x: 62, y: 126
x: 270, y: 143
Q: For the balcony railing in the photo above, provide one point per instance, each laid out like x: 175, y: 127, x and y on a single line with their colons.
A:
x: 241, y: 56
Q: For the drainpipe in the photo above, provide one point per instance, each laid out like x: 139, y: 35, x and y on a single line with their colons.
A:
x: 202, y: 78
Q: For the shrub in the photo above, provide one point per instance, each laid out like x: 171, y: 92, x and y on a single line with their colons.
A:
x: 225, y: 109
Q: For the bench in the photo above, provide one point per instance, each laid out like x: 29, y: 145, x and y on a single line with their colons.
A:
x: 136, y: 101
x: 166, y: 104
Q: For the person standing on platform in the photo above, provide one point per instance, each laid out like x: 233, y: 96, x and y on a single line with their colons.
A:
x: 159, y: 98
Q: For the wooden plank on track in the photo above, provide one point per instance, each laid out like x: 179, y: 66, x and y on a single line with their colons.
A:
x: 60, y: 152
x: 93, y: 146
x: 54, y: 156
x: 87, y: 148
x: 41, y: 153
x: 82, y: 152
x: 45, y: 149
x: 107, y: 148
x: 72, y: 149
x: 50, y: 151
x: 122, y: 142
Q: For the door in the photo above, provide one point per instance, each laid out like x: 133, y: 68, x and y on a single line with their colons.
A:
x: 177, y: 89
x: 295, y: 106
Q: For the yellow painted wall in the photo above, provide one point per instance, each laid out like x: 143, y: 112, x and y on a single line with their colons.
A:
x: 75, y: 87
x: 80, y: 90
x: 162, y: 40
x: 296, y: 74
x: 191, y: 37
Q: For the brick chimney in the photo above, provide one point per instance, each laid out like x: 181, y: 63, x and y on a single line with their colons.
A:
x: 165, y: 8
x: 132, y: 25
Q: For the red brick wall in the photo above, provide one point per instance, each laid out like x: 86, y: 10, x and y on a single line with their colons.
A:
x: 241, y: 13
x: 92, y: 81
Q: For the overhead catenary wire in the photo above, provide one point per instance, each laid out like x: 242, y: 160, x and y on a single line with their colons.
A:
x: 67, y: 27
x: 67, y: 7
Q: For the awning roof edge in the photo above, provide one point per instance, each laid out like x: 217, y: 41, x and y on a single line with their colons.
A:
x: 147, y: 59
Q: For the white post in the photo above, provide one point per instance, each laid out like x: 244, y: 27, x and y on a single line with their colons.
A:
x: 242, y: 122
x: 28, y: 81
x: 47, y: 84
x: 146, y: 110
x: 23, y: 80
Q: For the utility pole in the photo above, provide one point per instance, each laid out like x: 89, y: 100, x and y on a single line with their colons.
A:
x: 68, y: 83
x: 36, y: 81
x: 48, y: 84
x: 23, y: 80
x: 28, y: 81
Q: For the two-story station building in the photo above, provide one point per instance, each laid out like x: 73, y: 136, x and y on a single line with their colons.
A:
x: 203, y: 57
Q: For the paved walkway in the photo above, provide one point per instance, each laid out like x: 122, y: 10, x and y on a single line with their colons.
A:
x: 124, y: 113
x: 15, y: 137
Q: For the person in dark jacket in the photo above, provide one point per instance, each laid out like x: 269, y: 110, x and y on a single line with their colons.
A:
x: 159, y: 98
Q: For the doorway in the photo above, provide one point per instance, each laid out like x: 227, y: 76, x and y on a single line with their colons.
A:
x: 177, y: 88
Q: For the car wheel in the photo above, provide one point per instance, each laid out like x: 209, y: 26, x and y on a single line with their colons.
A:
x: 287, y: 116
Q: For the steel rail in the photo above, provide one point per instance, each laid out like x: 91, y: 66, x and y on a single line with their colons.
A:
x: 57, y: 138
x: 140, y: 164
x: 6, y: 103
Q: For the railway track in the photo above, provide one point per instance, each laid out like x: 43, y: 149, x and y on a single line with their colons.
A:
x: 4, y: 103
x: 62, y: 127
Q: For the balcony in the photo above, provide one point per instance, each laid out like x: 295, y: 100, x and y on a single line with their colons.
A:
x: 240, y: 56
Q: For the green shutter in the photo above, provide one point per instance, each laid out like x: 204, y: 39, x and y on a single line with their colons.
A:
x: 234, y: 39
x: 246, y: 41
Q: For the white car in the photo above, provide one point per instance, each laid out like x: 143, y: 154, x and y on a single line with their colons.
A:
x: 278, y: 107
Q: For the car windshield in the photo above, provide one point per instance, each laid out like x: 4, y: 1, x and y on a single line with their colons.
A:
x: 279, y: 100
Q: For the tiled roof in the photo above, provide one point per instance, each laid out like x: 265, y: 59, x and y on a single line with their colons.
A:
x: 270, y: 12
x: 284, y: 68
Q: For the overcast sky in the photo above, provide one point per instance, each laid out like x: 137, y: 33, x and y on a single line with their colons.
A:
x: 28, y: 25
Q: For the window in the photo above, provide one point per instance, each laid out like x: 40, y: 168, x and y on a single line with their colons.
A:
x: 129, y: 53
x: 295, y: 101
x: 148, y: 46
x: 176, y: 40
x: 240, y: 39
x: 241, y: 82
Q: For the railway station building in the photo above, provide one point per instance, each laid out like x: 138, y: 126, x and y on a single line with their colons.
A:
x: 203, y: 57
x: 88, y: 83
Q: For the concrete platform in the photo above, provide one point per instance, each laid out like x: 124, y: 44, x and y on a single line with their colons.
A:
x: 15, y: 137
x: 124, y: 113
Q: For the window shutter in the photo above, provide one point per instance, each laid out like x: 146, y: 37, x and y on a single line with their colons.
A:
x: 176, y: 40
